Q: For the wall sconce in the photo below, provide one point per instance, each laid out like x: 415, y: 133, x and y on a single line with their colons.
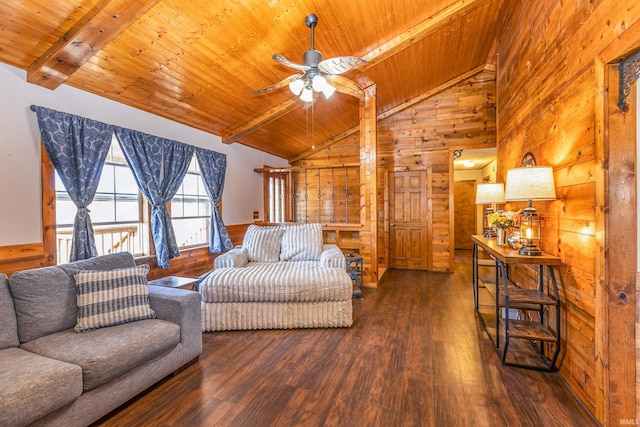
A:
x: 530, y: 182
x: 489, y: 194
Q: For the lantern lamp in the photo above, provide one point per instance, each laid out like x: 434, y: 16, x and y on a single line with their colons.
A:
x: 530, y: 183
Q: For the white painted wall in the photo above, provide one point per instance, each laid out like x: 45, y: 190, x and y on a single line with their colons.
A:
x: 20, y: 189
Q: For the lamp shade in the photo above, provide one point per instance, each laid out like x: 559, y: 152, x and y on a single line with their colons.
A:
x: 296, y: 86
x: 530, y: 183
x: 489, y: 193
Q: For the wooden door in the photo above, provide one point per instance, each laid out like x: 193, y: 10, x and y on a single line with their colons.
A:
x: 408, y: 220
x: 464, y: 211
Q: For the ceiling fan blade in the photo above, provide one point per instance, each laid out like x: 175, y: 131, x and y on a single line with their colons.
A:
x: 284, y: 61
x: 345, y: 85
x: 340, y: 64
x: 278, y: 85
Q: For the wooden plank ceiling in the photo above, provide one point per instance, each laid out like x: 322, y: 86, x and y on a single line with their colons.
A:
x: 196, y: 62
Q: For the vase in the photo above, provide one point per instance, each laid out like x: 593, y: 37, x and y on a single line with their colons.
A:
x: 513, y: 239
x: 501, y: 236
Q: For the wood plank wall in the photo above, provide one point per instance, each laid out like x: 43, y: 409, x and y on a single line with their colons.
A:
x: 422, y: 137
x: 549, y: 102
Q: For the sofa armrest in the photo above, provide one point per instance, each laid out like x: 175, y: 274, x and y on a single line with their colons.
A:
x: 182, y: 308
x: 235, y: 258
x: 332, y: 257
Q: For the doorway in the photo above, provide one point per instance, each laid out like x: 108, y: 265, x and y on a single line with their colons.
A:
x: 464, y: 208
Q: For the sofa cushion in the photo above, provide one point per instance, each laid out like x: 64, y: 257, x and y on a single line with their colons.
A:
x: 262, y: 244
x: 301, y: 242
x: 45, y: 298
x: 112, y: 297
x: 107, y: 353
x: 9, y: 329
x: 45, y: 301
x: 102, y: 262
x: 33, y: 386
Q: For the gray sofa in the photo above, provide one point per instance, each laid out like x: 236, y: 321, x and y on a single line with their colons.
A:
x: 51, y: 375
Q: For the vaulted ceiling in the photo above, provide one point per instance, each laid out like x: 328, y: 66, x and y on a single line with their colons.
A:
x: 197, y: 62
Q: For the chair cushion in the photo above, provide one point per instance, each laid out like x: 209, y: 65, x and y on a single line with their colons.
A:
x: 283, y: 281
x: 9, y: 329
x: 112, y: 297
x: 106, y: 353
x: 301, y: 242
x: 33, y: 386
x: 262, y: 244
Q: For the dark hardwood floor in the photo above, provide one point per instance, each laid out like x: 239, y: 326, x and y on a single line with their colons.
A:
x: 416, y: 355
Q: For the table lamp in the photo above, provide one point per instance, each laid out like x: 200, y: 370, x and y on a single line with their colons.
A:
x: 530, y: 183
x: 489, y: 194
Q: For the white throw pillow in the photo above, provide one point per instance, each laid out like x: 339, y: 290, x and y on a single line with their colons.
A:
x: 301, y: 242
x: 262, y: 244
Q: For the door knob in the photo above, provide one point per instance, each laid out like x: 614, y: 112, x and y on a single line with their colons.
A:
x: 392, y: 225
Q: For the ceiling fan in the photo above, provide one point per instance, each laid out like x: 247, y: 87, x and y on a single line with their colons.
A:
x: 318, y: 75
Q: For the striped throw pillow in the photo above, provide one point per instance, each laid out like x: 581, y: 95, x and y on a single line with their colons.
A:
x: 112, y: 297
x: 262, y: 244
x: 302, y: 242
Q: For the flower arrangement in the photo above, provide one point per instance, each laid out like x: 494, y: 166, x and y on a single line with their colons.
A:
x: 502, y: 219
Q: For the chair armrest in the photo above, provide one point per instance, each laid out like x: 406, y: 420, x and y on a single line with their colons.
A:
x: 181, y: 307
x: 236, y: 257
x: 332, y: 257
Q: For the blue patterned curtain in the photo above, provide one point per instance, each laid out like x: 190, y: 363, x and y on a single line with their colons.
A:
x: 212, y: 168
x: 159, y: 166
x: 77, y: 147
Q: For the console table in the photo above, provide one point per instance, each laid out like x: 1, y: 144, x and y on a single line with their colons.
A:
x: 514, y: 316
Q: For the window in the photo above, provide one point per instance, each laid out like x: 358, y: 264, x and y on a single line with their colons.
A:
x: 277, y: 190
x: 118, y: 213
x: 191, y: 209
x: 276, y: 197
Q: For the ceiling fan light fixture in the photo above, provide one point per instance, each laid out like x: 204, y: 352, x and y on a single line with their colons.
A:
x: 296, y: 86
x: 318, y: 83
x: 328, y: 90
x: 306, y: 95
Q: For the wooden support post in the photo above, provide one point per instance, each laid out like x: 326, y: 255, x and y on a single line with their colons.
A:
x: 368, y: 186
x: 617, y: 216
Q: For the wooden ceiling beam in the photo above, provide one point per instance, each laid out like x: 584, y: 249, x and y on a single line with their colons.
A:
x: 410, y: 37
x: 265, y: 118
x: 107, y: 20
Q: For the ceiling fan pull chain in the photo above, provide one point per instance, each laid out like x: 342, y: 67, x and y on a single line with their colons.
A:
x: 313, y: 125
x: 307, y: 117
